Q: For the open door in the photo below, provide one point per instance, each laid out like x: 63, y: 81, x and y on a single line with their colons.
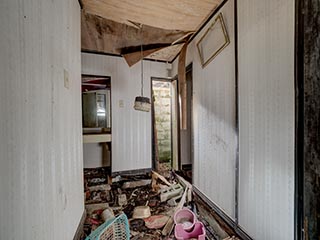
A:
x: 186, y: 135
x: 164, y: 124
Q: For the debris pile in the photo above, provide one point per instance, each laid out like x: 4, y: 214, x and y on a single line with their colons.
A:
x: 156, y: 207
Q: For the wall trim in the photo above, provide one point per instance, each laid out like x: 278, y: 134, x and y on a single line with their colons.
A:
x: 228, y: 220
x: 80, y: 3
x: 237, y: 170
x: 132, y: 172
x: 118, y: 55
x: 299, y: 121
x: 79, y: 231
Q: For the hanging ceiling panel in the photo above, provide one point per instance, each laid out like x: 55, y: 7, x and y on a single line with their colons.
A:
x: 185, y: 15
x: 108, y: 25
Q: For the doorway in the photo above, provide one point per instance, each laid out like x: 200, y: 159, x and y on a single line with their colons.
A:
x: 172, y: 146
x: 164, y: 124
x: 96, y: 121
x: 186, y: 135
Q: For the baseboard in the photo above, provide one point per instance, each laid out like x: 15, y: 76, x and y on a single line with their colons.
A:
x: 132, y: 172
x: 77, y: 235
x: 229, y: 221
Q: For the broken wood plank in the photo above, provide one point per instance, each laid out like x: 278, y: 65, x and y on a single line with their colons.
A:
x: 186, y: 185
x: 133, y: 58
x: 170, y: 224
x: 162, y: 178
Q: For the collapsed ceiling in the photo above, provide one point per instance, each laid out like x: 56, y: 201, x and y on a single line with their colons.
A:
x: 110, y: 26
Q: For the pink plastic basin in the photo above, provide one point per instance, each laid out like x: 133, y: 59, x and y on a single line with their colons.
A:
x: 198, y: 232
x: 186, y: 218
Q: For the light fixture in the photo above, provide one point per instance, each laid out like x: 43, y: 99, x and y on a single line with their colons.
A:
x: 142, y: 103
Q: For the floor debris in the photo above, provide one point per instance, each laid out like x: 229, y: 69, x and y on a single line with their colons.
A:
x: 141, y: 212
x: 149, y: 201
x: 136, y: 184
x: 156, y: 221
x: 170, y: 192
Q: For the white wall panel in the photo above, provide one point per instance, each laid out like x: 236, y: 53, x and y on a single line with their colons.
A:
x: 266, y: 92
x: 41, y: 176
x: 131, y: 129
x: 214, y: 105
x: 95, y: 156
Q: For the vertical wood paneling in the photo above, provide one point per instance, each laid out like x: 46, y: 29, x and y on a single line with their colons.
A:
x: 40, y: 120
x: 266, y: 111
x: 215, y: 134
x: 214, y: 106
x: 131, y: 129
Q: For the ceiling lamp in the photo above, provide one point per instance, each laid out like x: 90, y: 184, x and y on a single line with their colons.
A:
x: 142, y: 103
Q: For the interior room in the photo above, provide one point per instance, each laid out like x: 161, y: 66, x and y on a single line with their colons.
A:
x: 184, y: 119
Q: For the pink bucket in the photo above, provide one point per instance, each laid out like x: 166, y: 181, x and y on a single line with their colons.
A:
x: 198, y: 232
x: 185, y: 218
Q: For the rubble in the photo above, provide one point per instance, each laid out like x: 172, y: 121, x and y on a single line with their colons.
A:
x: 141, y: 212
x: 136, y: 184
x: 156, y: 221
x: 107, y: 214
x: 170, y: 192
x: 149, y: 201
x: 122, y: 200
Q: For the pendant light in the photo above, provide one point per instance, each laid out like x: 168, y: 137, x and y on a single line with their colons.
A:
x: 142, y: 103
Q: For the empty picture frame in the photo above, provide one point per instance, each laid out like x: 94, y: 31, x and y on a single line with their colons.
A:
x: 213, y: 41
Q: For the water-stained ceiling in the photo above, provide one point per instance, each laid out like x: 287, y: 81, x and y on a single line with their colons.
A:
x: 110, y: 26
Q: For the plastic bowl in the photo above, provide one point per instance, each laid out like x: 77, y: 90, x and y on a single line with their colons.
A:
x: 141, y: 212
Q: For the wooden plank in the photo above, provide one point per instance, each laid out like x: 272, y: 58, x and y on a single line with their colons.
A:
x: 133, y: 58
x: 96, y: 138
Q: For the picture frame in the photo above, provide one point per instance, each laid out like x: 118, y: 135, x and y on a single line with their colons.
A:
x: 213, y: 41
